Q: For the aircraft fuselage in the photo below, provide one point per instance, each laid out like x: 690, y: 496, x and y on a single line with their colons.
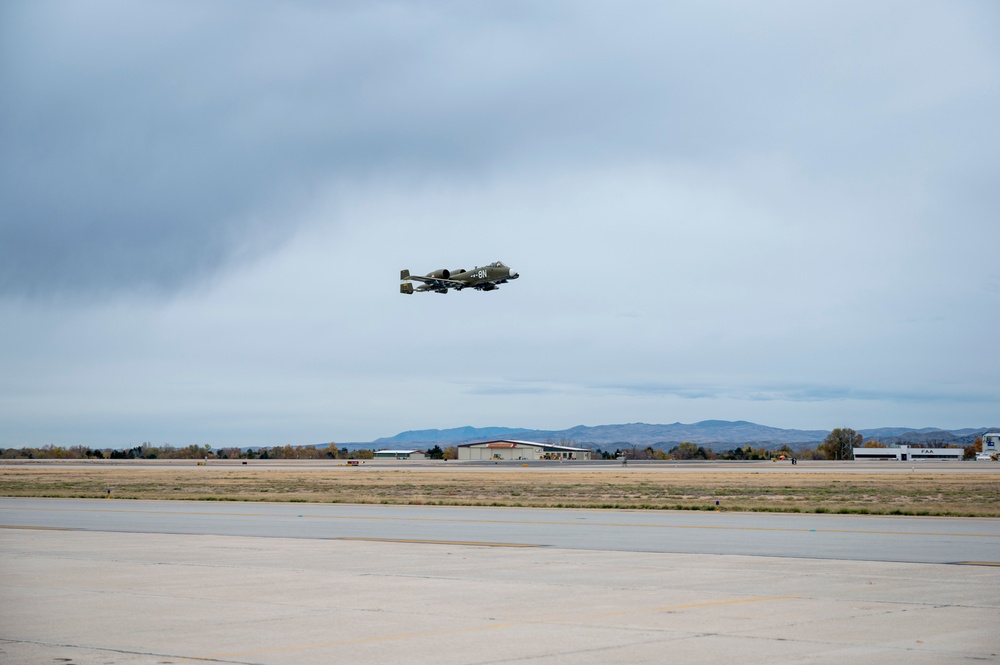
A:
x: 485, y: 278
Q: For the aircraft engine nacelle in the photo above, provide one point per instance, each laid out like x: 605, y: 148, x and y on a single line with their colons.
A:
x: 444, y: 273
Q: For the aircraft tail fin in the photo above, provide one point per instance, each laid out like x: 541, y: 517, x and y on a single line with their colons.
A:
x: 404, y: 274
x: 406, y: 288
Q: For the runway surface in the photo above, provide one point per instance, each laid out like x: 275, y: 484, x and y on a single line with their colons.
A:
x: 91, y: 582
x: 860, y: 538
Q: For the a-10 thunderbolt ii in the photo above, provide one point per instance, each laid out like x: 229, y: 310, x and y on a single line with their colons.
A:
x: 487, y: 278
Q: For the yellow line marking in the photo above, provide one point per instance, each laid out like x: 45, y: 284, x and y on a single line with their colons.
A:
x: 978, y: 563
x: 39, y: 528
x: 619, y: 525
x: 438, y: 542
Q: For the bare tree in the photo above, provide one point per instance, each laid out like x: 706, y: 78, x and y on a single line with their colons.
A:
x: 840, y: 443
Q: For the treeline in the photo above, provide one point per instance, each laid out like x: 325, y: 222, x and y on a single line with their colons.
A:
x: 315, y: 452
x: 691, y: 451
x: 144, y: 451
x: 149, y: 451
x: 838, y: 445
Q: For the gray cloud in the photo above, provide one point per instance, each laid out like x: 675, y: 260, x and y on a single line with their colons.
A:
x: 151, y: 146
x: 804, y: 393
x: 770, y: 211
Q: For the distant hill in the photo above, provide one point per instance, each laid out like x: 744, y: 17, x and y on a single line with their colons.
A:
x: 460, y: 434
x: 714, y: 434
x: 927, y: 436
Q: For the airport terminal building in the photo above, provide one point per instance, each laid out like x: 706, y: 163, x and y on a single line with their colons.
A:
x: 908, y: 453
x: 507, y: 449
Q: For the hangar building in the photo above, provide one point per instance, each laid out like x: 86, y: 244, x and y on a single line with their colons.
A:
x: 908, y: 453
x: 508, y: 449
x: 399, y: 454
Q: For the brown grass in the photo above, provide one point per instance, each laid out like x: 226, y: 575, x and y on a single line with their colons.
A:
x: 953, y: 494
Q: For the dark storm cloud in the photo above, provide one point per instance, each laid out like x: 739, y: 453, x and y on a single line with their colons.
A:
x: 143, y: 145
x: 148, y: 146
x: 119, y: 164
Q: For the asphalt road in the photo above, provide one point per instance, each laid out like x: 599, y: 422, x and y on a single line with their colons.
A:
x: 847, y: 538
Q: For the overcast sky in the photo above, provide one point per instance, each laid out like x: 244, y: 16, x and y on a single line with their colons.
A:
x: 781, y: 212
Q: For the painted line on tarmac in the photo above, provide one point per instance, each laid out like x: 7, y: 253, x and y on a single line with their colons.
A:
x: 449, y: 520
x: 648, y: 525
x: 39, y: 528
x: 977, y: 563
x: 438, y: 542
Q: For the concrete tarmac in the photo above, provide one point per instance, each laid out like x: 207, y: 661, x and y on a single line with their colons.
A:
x: 144, y: 595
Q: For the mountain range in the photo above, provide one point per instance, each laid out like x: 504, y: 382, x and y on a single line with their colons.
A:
x: 713, y: 434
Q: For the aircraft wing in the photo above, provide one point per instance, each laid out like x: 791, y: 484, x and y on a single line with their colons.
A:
x: 439, y: 282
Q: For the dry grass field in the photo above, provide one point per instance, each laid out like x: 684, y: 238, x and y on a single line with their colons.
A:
x: 918, y: 493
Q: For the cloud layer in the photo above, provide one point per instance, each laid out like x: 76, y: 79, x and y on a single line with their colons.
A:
x: 780, y: 213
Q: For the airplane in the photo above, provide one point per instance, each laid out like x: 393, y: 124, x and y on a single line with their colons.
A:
x: 487, y: 278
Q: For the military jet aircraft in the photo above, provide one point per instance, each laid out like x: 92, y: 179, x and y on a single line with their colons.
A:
x: 486, y: 278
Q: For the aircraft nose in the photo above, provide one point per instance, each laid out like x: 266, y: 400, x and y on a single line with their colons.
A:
x: 513, y: 275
